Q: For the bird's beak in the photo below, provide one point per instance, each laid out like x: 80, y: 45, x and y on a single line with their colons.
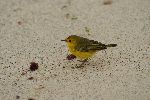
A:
x: 64, y: 40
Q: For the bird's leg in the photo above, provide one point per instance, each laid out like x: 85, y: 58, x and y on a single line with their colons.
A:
x: 83, y: 62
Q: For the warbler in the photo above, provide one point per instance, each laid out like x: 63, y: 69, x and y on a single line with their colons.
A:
x: 84, y: 48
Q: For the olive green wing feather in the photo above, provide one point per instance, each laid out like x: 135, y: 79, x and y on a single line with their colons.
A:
x: 82, y: 45
x: 85, y: 45
x: 95, y: 45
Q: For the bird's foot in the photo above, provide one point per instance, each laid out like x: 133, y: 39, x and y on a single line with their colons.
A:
x: 83, y: 62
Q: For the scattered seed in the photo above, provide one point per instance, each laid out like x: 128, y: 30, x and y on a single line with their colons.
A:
x: 17, y: 97
x: 33, y: 66
x: 30, y: 78
x: 19, y: 22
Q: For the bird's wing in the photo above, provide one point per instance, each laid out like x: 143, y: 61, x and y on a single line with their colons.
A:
x: 82, y: 48
x: 95, y: 45
x: 82, y: 45
x: 86, y: 45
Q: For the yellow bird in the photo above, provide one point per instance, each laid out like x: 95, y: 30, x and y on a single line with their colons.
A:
x: 84, y: 48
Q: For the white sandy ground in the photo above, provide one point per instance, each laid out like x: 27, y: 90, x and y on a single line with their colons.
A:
x: 31, y: 30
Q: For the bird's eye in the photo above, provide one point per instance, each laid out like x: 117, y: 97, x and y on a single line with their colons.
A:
x: 69, y: 40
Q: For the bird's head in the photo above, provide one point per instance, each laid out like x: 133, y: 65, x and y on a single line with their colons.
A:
x: 71, y: 40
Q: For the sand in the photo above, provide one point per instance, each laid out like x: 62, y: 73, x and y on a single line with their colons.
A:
x: 31, y: 30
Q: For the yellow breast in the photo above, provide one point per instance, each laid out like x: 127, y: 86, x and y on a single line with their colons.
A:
x: 81, y: 55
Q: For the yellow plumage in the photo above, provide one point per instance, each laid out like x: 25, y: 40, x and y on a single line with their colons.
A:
x: 84, y: 48
x: 80, y: 54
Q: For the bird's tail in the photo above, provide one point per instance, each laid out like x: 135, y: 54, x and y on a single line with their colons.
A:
x: 111, y: 45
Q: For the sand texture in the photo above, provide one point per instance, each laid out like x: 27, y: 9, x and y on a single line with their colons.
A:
x: 31, y: 30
